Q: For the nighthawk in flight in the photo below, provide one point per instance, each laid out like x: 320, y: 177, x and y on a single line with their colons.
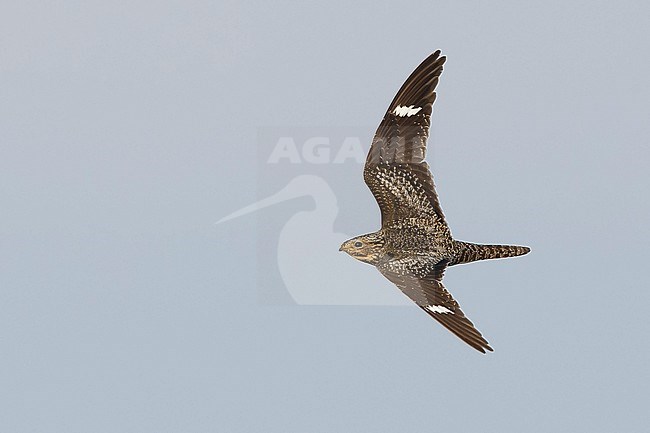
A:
x: 414, y: 245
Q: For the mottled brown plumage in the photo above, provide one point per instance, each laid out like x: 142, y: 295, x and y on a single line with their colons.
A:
x: 414, y: 245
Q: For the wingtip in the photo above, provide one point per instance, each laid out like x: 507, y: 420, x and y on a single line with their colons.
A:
x: 436, y: 57
x: 484, y: 349
x: 438, y: 54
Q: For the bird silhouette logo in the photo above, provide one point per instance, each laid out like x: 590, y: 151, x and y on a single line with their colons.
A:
x: 311, y: 269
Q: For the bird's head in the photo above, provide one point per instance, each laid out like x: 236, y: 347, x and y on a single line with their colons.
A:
x: 366, y: 248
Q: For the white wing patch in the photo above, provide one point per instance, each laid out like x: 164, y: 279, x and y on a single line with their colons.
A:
x: 402, y: 110
x: 438, y: 309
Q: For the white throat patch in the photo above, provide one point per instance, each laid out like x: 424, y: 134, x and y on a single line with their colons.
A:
x: 402, y: 110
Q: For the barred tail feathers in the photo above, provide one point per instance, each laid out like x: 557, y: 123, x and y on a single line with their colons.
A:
x: 469, y: 252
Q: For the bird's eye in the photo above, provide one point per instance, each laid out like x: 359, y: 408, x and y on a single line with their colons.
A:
x: 358, y: 244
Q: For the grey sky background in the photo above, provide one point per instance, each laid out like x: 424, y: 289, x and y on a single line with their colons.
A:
x: 128, y: 128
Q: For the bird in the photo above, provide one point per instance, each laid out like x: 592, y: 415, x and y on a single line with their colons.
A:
x: 414, y: 245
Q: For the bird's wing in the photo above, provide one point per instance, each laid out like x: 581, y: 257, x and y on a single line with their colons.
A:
x: 431, y: 295
x: 395, y: 169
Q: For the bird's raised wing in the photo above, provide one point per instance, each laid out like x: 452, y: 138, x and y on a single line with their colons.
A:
x: 430, y: 294
x: 395, y: 169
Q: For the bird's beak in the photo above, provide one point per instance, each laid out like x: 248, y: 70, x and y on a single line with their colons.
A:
x: 283, y: 195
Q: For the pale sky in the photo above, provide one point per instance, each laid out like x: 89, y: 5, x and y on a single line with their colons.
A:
x: 127, y: 129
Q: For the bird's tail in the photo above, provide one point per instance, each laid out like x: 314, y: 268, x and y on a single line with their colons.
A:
x: 472, y: 252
